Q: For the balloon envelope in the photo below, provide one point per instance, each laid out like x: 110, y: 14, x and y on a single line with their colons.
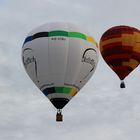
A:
x: 59, y: 58
x: 120, y: 48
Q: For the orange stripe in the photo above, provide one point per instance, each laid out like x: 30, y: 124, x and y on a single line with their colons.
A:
x: 111, y: 45
x: 104, y: 38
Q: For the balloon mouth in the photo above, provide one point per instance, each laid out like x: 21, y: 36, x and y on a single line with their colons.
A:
x: 59, y: 103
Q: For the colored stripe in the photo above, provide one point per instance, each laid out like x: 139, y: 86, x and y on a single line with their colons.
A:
x: 65, y: 90
x: 136, y: 56
x: 77, y: 35
x: 116, y: 50
x: 59, y: 89
x: 29, y: 38
x: 41, y: 34
x: 117, y: 56
x: 117, y: 62
x: 111, y: 41
x: 45, y: 91
x: 74, y: 91
x: 132, y: 63
x: 111, y: 45
x: 110, y: 37
x: 60, y: 33
x: 51, y: 90
x: 90, y: 39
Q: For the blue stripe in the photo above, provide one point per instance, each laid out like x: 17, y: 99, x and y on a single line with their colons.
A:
x: 29, y: 38
x: 45, y: 91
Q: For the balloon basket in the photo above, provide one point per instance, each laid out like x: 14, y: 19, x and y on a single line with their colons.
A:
x: 59, y: 116
x: 122, y: 85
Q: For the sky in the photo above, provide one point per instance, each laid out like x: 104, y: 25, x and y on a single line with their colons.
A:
x: 101, y: 110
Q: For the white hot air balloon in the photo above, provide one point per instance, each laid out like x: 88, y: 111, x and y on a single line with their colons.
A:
x: 59, y: 58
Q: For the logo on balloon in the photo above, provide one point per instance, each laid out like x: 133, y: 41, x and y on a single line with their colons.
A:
x: 88, y: 57
x: 28, y: 58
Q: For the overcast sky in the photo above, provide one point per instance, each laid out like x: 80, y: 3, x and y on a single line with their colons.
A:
x: 101, y: 110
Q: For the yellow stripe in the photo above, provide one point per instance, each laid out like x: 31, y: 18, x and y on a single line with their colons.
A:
x: 128, y: 40
x: 73, y: 92
x: 137, y: 40
x: 90, y: 39
x: 109, y: 41
x: 132, y: 63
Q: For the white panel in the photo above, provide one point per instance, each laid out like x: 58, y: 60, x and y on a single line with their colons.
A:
x: 74, y: 59
x: 40, y: 45
x: 58, y: 50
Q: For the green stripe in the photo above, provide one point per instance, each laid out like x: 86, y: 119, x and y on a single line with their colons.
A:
x: 65, y: 90
x: 77, y: 35
x: 67, y: 34
x: 58, y: 33
x: 59, y: 89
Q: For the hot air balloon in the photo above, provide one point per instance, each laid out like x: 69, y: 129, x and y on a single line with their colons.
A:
x: 120, y: 48
x: 59, y: 58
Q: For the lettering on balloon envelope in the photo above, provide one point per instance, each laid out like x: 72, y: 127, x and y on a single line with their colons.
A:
x: 88, y: 58
x: 30, y: 62
x: 88, y: 66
